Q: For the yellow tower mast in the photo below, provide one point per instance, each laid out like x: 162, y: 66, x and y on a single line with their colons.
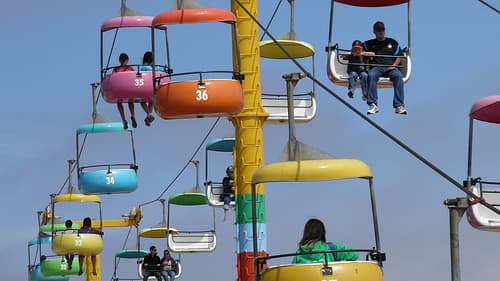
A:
x: 249, y: 138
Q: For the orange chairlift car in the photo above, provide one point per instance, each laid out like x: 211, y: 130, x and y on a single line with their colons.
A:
x: 203, y: 97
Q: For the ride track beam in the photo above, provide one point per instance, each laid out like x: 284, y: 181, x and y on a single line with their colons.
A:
x: 368, y: 120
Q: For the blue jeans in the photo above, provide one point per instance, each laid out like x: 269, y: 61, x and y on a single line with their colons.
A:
x: 151, y: 273
x: 363, y: 77
x: 397, y: 80
x: 171, y: 274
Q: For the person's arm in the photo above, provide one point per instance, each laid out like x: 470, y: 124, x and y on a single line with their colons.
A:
x: 368, y: 54
x: 346, y: 256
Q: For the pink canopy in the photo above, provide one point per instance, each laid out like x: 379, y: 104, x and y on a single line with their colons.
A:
x: 128, y: 21
x: 372, y: 3
x: 486, y: 109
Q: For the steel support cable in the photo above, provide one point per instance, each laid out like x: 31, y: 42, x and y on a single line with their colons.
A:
x: 123, y: 248
x: 186, y: 165
x: 272, y: 18
x: 72, y: 168
x: 489, y: 6
x: 371, y: 122
x: 94, y: 117
x: 109, y: 59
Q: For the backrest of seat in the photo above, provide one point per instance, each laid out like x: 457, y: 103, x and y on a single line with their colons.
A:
x: 192, y: 241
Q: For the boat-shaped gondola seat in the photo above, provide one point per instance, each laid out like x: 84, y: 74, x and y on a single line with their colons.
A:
x: 481, y: 217
x: 190, y: 99
x: 337, y: 72
x: 37, y: 275
x: 106, y: 179
x: 86, y: 244
x: 344, y: 270
x: 58, y: 267
x: 214, y: 192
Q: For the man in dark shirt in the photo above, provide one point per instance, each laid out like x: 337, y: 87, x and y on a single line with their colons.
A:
x: 384, y: 63
x: 151, y: 265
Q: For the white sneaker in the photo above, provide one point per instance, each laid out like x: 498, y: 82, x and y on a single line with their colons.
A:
x: 372, y: 109
x: 401, y: 110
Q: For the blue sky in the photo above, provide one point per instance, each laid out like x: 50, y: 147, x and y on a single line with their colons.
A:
x: 50, y: 55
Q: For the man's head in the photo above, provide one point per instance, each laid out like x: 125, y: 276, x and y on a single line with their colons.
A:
x: 152, y: 250
x: 379, y: 30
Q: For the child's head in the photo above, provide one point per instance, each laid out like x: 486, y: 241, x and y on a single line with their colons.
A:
x: 123, y: 59
x: 68, y: 224
x: 357, y: 47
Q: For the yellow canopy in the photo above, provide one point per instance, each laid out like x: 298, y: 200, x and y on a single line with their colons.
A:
x: 311, y: 170
x: 156, y: 232
x: 76, y: 197
x: 297, y: 49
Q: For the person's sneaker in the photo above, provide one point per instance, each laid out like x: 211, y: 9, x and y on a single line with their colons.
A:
x: 147, y: 122
x: 372, y: 109
x: 125, y: 125
x: 151, y: 118
x: 401, y: 110
x: 350, y: 93
x: 134, y: 122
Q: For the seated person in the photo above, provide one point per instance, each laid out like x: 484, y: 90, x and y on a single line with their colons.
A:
x: 69, y: 258
x: 87, y: 229
x: 227, y: 190
x: 314, y: 240
x: 151, y: 265
x: 168, y: 266
x: 147, y: 63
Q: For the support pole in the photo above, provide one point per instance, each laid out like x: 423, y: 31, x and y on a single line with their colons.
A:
x: 291, y: 81
x: 456, y: 208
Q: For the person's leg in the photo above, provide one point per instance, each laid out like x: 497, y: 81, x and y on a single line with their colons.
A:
x: 157, y: 275
x: 80, y: 264
x: 172, y: 275
x: 148, y: 107
x: 364, y: 83
x: 145, y: 107
x: 227, y: 200
x: 93, y: 259
x: 353, y: 76
x: 145, y: 275
x: 119, y: 105
x: 132, y: 114
x: 164, y: 275
x: 396, y: 77
x: 373, y: 76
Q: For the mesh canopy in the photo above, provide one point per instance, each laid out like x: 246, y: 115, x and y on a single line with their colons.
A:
x: 302, y: 151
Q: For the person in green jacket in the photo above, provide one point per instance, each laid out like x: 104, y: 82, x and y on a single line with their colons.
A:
x: 314, y: 240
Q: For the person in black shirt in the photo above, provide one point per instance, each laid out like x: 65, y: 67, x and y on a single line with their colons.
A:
x: 228, y: 190
x: 357, y: 68
x: 151, y: 265
x: 384, y: 63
